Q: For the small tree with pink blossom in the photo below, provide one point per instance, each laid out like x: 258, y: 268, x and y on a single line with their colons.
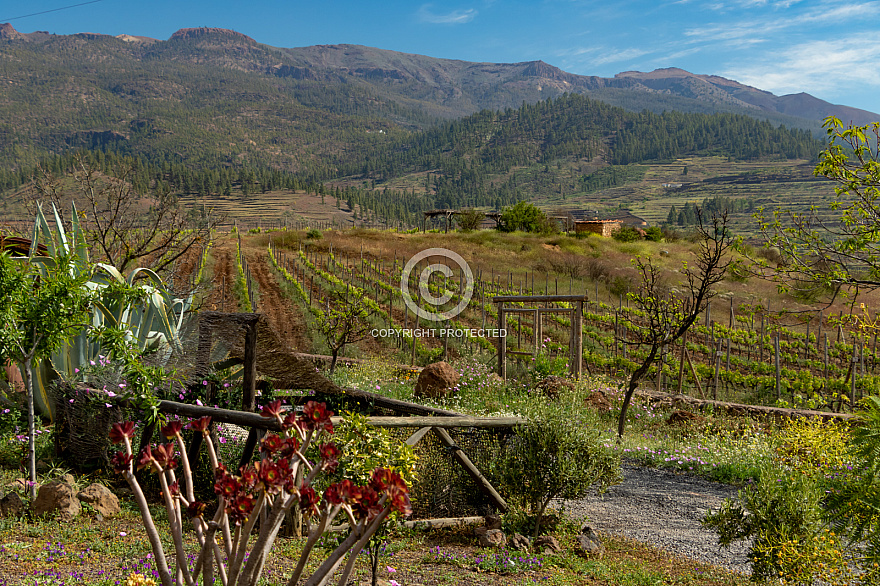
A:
x: 266, y: 491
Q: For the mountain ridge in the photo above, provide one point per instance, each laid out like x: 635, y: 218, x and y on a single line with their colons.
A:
x: 458, y: 87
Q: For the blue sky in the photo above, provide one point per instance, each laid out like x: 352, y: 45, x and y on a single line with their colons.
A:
x: 830, y: 49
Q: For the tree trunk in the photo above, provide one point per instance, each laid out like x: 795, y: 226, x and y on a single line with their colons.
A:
x: 334, y: 353
x: 32, y: 447
x: 637, y: 376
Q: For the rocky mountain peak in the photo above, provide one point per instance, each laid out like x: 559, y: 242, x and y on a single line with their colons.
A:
x: 194, y: 33
x: 7, y: 31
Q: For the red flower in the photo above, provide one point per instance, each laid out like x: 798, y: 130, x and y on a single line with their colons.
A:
x: 195, y: 509
x: 269, y: 475
x: 333, y: 494
x: 400, y: 502
x: 202, y: 424
x: 290, y: 447
x: 171, y: 430
x: 121, y: 462
x: 308, y: 500
x: 273, y: 409
x: 367, y: 504
x: 272, y: 443
x: 164, y: 456
x: 174, y: 489
x: 145, y: 458
x: 289, y: 420
x: 240, y: 508
x: 226, y: 485
x: 248, y: 476
x: 330, y: 456
x: 120, y: 431
x: 316, y: 416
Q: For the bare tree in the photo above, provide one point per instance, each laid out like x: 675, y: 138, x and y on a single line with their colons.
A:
x: 344, y: 321
x: 666, y: 315
x: 128, y: 227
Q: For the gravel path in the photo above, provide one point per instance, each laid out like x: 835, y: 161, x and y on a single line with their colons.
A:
x: 663, y: 509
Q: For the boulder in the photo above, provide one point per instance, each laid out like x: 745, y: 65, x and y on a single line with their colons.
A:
x: 492, y: 521
x: 588, y: 543
x: 552, y: 385
x: 680, y: 417
x: 57, y: 496
x: 11, y: 505
x: 493, y: 538
x: 101, y: 499
x: 436, y: 381
x: 520, y: 542
x: 547, y: 544
x: 597, y: 400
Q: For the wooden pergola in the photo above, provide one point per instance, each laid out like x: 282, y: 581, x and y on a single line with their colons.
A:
x: 449, y: 214
x: 575, y: 342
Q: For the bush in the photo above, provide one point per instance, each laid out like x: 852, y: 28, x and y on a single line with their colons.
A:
x: 783, y: 515
x: 470, y: 219
x: 654, y: 234
x: 854, y: 499
x: 314, y: 234
x: 526, y: 217
x: 554, y: 457
x: 626, y: 233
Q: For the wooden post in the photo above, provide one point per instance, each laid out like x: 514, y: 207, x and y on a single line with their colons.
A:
x: 728, y: 355
x: 778, y: 366
x: 761, y: 341
x: 708, y: 322
x: 731, y: 313
x: 502, y: 342
x: 717, y: 370
x: 852, y: 381
x: 579, y: 339
x: 687, y: 356
x: 469, y: 467
x: 681, y: 364
x: 249, y: 372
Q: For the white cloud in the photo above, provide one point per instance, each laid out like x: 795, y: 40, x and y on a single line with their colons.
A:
x: 425, y: 14
x: 615, y: 56
x: 815, y: 66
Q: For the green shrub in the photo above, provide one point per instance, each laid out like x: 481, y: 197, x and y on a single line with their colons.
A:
x: 470, y: 219
x: 782, y: 514
x: 526, y: 217
x: 314, y: 234
x: 654, y: 234
x: 553, y: 457
x: 854, y: 499
x: 626, y: 233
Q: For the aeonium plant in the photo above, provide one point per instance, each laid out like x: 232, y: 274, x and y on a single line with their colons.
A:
x: 264, y: 491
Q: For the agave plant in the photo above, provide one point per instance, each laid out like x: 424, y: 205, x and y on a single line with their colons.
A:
x: 139, y: 304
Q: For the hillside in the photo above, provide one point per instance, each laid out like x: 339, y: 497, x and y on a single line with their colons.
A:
x: 217, y: 97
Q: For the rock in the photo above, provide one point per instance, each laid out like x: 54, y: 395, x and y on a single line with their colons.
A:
x: 552, y: 385
x: 588, y: 543
x: 480, y: 531
x: 492, y: 521
x: 520, y: 542
x: 679, y: 417
x: 11, y: 505
x: 493, y: 538
x: 436, y: 381
x: 42, y: 466
x: 597, y: 400
x: 57, y: 496
x: 69, y: 479
x: 100, y: 497
x: 547, y: 544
